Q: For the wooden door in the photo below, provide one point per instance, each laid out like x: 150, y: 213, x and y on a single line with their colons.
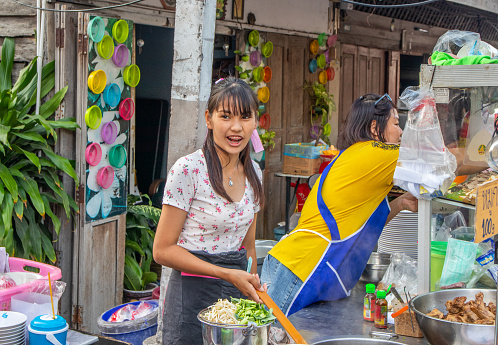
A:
x: 349, y: 85
x: 377, y: 71
x: 393, y: 68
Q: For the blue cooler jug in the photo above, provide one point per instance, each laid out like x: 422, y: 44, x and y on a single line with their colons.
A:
x: 45, y: 330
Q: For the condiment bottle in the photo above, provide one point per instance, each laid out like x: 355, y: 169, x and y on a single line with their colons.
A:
x: 380, y: 320
x: 369, y: 303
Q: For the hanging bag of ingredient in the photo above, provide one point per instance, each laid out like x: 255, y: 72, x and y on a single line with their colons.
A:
x: 425, y: 166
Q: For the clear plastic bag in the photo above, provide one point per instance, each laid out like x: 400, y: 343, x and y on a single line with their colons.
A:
x: 42, y: 286
x: 425, y: 168
x: 454, y: 40
x: 401, y: 273
x: 450, y: 224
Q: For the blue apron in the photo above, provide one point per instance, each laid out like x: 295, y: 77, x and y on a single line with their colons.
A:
x: 343, y: 261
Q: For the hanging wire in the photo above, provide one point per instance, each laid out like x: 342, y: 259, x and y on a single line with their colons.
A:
x: 390, y: 6
x: 80, y: 10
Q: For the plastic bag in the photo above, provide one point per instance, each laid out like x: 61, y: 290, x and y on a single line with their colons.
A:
x: 459, y: 261
x: 486, y: 259
x: 450, y: 224
x: 401, y: 273
x: 425, y: 166
x: 41, y: 286
x: 132, y: 312
x: 454, y: 40
x: 6, y: 282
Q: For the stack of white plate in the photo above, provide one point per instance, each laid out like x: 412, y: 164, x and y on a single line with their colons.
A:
x: 12, y: 328
x: 400, y: 235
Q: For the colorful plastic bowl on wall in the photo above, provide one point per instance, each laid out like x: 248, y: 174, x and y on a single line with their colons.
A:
x: 255, y: 58
x: 267, y: 49
x: 322, y: 38
x: 261, y: 108
x: 112, y: 95
x: 93, y: 117
x: 117, y: 156
x: 321, y: 61
x: 267, y: 74
x: 331, y: 40
x: 314, y: 47
x: 313, y: 65
x: 96, y: 29
x: 264, y: 94
x: 322, y: 77
x: 327, y: 129
x: 93, y: 154
x: 109, y: 132
x: 120, y: 56
x: 257, y: 74
x: 126, y: 109
x: 327, y: 56
x: 105, y: 47
x: 105, y: 176
x: 120, y: 31
x: 96, y: 81
x: 131, y: 75
x: 330, y: 73
x: 253, y: 38
x: 264, y: 121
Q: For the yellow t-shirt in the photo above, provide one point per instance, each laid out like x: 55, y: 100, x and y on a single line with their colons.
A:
x: 355, y: 186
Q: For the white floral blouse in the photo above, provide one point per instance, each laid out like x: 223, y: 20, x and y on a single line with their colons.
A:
x: 213, y: 224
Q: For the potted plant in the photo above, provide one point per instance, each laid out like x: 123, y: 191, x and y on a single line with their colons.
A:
x: 322, y: 105
x: 141, y: 221
x: 30, y: 184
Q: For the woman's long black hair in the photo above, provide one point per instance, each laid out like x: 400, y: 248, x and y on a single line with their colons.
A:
x: 234, y: 96
x: 362, y: 113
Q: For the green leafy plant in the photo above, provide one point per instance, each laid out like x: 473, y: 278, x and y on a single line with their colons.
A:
x: 267, y: 139
x: 140, y: 221
x: 322, y: 105
x: 30, y: 184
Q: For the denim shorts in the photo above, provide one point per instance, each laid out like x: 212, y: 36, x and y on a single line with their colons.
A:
x: 283, y: 285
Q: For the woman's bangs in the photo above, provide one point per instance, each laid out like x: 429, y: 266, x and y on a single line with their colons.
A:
x: 236, y: 101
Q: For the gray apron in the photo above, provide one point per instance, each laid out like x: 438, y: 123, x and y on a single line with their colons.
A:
x: 186, y: 296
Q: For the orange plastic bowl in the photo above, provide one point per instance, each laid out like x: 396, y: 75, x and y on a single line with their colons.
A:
x: 267, y: 74
x: 314, y: 46
x: 264, y: 94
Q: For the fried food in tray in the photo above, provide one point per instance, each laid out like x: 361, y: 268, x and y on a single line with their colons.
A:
x: 473, y: 311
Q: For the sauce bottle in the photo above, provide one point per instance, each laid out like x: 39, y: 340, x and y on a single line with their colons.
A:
x: 369, y: 303
x: 380, y: 320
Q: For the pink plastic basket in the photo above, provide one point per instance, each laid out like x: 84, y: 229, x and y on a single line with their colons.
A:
x: 19, y: 265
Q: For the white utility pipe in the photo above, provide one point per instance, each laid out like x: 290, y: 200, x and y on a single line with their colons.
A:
x: 40, y: 24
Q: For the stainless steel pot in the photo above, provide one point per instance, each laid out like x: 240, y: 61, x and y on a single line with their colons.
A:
x: 376, y: 267
x: 442, y: 332
x: 222, y: 334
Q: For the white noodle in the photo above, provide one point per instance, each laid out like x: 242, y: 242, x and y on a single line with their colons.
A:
x: 222, y: 311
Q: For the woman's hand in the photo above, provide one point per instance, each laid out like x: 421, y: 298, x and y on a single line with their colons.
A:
x: 247, y: 283
x: 409, y: 202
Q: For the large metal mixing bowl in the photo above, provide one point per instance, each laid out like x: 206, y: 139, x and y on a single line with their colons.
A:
x: 376, y: 267
x: 357, y: 341
x: 442, y: 332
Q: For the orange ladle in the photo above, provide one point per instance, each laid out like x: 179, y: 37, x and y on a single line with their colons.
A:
x: 284, y: 321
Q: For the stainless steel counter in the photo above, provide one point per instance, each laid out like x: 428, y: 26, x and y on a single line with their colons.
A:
x: 327, y: 320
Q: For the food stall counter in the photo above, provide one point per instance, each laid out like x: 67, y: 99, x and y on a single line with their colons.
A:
x: 340, y: 319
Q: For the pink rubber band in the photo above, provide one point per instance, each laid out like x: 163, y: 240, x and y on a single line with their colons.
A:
x: 196, y: 275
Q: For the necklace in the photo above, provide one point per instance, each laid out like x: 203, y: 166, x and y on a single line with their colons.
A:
x: 230, y: 182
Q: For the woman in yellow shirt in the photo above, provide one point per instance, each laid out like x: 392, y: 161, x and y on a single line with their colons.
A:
x: 343, y: 216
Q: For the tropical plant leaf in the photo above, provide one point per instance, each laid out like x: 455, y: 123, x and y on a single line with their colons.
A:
x: 34, y: 233
x: 147, y: 278
x: 47, y: 82
x: 25, y: 76
x: 61, y: 163
x: 22, y: 231
x: 48, y: 247
x: 19, y: 210
x: 52, y: 104
x: 134, y: 246
x: 30, y: 155
x: 31, y: 136
x: 8, y: 49
x: 66, y: 123
x: 4, y: 139
x: 7, y: 241
x: 55, y: 220
x: 133, y: 274
x: 31, y: 187
x: 7, y: 209
x: 149, y: 212
x: 9, y: 182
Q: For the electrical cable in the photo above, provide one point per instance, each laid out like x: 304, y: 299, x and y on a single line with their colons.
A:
x: 80, y: 10
x: 390, y: 6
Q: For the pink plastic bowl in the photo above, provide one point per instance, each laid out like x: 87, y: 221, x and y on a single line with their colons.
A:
x: 105, y: 176
x: 93, y: 154
x: 126, y: 109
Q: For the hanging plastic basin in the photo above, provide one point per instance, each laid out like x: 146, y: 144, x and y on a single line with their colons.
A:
x: 438, y: 255
x: 112, y: 95
x: 257, y: 74
x: 322, y: 77
x: 267, y: 49
x: 253, y: 38
x: 105, y: 47
x: 105, y: 176
x: 264, y: 94
x: 255, y: 58
x: 117, y: 156
x: 120, y: 31
x: 131, y: 75
x: 330, y: 73
x: 321, y: 61
x: 93, y: 154
x: 267, y: 74
x: 96, y: 81
x: 96, y: 29
x: 314, y: 47
x: 264, y: 121
x: 120, y: 56
x: 331, y: 40
x: 134, y: 332
x: 322, y: 38
x: 327, y: 129
x: 126, y: 109
x: 93, y: 117
x: 313, y: 65
x: 109, y: 132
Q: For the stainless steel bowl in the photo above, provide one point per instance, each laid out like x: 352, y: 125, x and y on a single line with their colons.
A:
x: 357, y: 341
x: 442, y: 332
x: 376, y: 267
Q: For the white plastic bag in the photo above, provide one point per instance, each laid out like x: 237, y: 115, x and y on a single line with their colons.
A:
x: 425, y: 166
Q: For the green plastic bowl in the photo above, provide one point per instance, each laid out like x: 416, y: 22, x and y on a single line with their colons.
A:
x: 120, y: 31
x: 105, y: 47
x: 131, y: 75
x: 93, y: 117
x: 267, y: 49
x: 253, y: 38
x: 117, y: 156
